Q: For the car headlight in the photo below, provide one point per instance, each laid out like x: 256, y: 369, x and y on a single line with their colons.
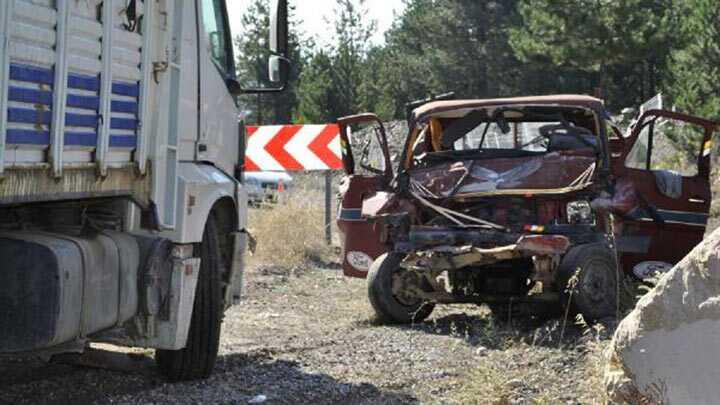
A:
x: 580, y: 212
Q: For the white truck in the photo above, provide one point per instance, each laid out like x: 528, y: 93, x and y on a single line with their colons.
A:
x: 122, y: 211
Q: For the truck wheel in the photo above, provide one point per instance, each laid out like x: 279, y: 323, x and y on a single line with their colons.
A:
x: 197, y: 359
x: 587, y: 277
x: 390, y: 305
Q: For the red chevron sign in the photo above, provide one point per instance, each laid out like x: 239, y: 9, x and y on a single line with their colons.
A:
x: 293, y: 147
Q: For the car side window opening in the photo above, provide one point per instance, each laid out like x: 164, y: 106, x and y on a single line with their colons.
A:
x: 368, y: 150
x: 217, y: 30
x: 638, y: 156
x: 667, y: 145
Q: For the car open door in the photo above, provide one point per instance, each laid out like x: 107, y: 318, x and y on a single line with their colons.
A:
x: 666, y: 159
x: 368, y: 170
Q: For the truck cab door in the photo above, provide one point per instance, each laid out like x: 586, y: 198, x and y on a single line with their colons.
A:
x: 368, y: 170
x: 671, y: 188
x: 218, y: 128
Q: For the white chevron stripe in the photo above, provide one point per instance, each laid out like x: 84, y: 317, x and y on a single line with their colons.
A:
x: 334, y: 146
x: 298, y: 147
x: 256, y: 148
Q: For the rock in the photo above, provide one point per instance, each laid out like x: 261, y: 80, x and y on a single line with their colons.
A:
x: 666, y: 349
x: 258, y: 399
x: 515, y: 383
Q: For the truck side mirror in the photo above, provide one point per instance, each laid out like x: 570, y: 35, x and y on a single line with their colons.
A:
x: 278, y: 42
x: 278, y: 63
x: 279, y: 28
x: 274, y: 69
x: 278, y: 68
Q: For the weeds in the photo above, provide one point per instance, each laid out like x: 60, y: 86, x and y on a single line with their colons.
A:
x: 290, y: 233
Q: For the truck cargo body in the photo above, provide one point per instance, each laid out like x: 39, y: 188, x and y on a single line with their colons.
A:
x: 71, y: 102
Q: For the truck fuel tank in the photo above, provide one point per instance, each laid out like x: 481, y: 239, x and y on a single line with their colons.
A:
x: 57, y: 288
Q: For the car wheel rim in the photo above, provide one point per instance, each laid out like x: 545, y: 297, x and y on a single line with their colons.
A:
x: 404, y: 283
x: 596, y: 283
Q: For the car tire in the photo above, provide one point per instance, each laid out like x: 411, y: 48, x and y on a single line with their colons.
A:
x: 197, y: 359
x: 388, y: 309
x: 587, y: 278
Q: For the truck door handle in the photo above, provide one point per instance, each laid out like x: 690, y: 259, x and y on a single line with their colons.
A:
x: 696, y: 200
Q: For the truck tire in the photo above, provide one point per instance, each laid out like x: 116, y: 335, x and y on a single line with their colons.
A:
x: 593, y: 290
x: 197, y: 359
x: 388, y: 308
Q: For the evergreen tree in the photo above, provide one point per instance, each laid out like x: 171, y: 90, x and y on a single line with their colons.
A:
x: 695, y: 67
x: 620, y: 47
x: 331, y: 86
x: 437, y: 46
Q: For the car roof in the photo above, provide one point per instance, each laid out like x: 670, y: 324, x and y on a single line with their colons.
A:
x: 578, y: 100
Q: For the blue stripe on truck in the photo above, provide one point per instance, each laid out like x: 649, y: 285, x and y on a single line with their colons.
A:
x: 42, y: 138
x: 80, y: 139
x: 123, y: 123
x: 27, y: 137
x: 32, y: 96
x: 85, y: 102
x: 31, y: 74
x: 123, y: 141
x: 83, y: 82
x: 81, y: 120
x: 128, y: 107
x: 28, y: 116
x: 126, y: 89
x: 40, y: 75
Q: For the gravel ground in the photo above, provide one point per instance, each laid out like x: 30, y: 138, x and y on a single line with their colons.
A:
x: 310, y: 338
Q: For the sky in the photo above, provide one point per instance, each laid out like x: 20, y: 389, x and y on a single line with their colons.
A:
x: 313, y: 14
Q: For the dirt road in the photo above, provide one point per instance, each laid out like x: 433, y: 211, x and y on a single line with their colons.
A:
x: 310, y: 338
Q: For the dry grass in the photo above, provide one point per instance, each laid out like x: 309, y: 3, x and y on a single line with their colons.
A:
x: 543, y: 371
x: 526, y: 373
x: 291, y: 234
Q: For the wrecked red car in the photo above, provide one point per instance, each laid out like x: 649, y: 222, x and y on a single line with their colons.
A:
x: 535, y: 201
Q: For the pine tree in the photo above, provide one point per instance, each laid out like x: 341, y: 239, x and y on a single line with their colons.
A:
x: 618, y: 46
x: 331, y: 85
x: 695, y: 67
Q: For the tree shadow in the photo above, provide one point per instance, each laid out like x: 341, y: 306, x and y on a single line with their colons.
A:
x: 492, y: 333
x: 237, y: 378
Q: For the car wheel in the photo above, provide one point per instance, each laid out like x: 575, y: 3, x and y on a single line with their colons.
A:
x: 588, y: 278
x: 391, y: 302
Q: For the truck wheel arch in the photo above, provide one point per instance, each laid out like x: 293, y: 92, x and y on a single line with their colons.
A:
x: 202, y: 190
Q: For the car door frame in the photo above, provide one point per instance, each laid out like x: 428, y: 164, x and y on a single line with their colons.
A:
x: 347, y: 156
x: 361, y: 240
x: 669, y: 227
